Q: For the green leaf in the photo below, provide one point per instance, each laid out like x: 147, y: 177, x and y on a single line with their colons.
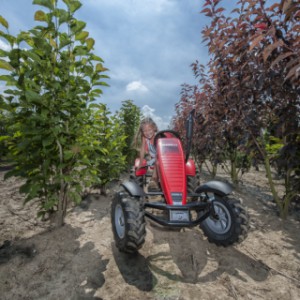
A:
x: 34, y: 189
x: 33, y: 56
x: 3, y: 22
x: 52, y: 201
x: 100, y: 68
x: 68, y: 154
x: 6, y: 78
x: 77, y: 25
x: 72, y: 5
x: 32, y: 96
x: 97, y: 58
x: 23, y: 36
x: 40, y: 16
x: 98, y: 91
x: 5, y: 65
x: 14, y: 91
x: 95, y: 105
x: 45, y: 3
x: 11, y: 173
x: 3, y: 53
x: 63, y: 16
x: 81, y: 35
x: 25, y: 188
x: 76, y: 197
x: 104, y: 76
x: 64, y: 40
x: 4, y: 137
x: 47, y: 141
x: 90, y: 42
x: 79, y: 50
x: 8, y: 37
x: 101, y: 83
x: 75, y: 5
x: 85, y: 161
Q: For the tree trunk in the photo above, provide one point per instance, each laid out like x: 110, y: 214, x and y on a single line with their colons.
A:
x: 233, y: 170
x: 272, y: 187
x: 62, y: 206
x: 62, y: 197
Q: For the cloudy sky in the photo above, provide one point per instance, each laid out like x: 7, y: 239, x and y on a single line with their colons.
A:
x: 147, y: 45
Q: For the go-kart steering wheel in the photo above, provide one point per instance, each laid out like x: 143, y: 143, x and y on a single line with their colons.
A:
x: 162, y: 134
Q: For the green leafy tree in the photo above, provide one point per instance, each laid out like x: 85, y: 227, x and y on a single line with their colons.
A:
x: 53, y: 74
x: 4, y: 134
x: 130, y: 116
x: 104, y: 143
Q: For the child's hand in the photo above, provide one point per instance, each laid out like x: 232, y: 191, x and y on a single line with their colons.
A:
x: 140, y: 165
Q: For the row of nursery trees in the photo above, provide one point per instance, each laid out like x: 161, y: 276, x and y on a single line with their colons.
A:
x: 247, y: 100
x: 59, y: 140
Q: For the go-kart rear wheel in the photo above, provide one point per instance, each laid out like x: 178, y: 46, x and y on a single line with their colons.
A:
x: 128, y: 222
x: 193, y: 182
x: 229, y: 225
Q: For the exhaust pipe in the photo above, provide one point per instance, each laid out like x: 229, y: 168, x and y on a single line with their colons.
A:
x: 189, y: 133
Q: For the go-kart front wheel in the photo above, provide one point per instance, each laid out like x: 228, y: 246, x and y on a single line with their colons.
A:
x: 128, y: 222
x: 229, y: 224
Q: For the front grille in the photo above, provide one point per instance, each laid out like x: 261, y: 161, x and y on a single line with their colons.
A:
x: 177, y: 198
x: 174, y: 171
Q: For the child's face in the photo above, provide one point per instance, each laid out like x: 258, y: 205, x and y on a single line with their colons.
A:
x: 148, y: 131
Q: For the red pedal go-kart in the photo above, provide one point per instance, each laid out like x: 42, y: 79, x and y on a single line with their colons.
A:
x: 180, y: 203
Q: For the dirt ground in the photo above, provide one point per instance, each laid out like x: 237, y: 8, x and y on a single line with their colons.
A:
x: 80, y: 261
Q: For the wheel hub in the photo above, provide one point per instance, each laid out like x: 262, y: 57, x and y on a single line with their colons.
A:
x: 220, y: 222
x: 119, y: 221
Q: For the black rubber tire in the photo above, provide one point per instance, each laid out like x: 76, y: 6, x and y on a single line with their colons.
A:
x: 231, y: 227
x: 128, y: 222
x: 193, y: 182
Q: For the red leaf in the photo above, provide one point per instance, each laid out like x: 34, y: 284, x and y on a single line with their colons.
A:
x: 262, y: 26
x: 207, y: 3
x: 237, y: 10
x: 296, y: 28
x: 272, y: 8
x: 220, y: 9
x: 286, y: 5
x: 267, y: 52
x: 294, y: 72
x: 281, y: 57
x: 297, y: 14
x: 256, y: 41
x: 291, y: 63
x: 206, y: 10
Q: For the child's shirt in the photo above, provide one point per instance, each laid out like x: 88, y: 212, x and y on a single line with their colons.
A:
x: 152, y: 152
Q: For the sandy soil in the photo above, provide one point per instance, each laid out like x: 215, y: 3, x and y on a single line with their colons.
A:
x: 80, y: 261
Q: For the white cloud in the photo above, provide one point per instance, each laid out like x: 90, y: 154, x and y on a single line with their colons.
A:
x: 147, y: 46
x: 136, y: 86
x: 134, y: 7
x: 4, y: 46
x: 148, y: 111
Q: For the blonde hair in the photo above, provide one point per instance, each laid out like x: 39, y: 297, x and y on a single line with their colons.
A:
x: 139, y: 134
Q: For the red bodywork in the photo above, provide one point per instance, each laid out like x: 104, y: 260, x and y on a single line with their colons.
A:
x: 140, y: 171
x: 190, y: 168
x: 173, y: 174
x: 171, y: 169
